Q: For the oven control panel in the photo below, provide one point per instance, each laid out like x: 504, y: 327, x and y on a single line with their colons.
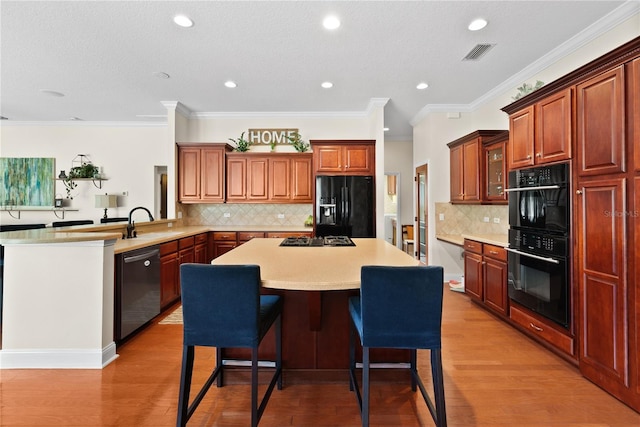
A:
x: 539, y: 243
x: 543, y: 175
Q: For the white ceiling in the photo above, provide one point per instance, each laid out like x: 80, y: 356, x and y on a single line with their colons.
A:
x: 102, y: 55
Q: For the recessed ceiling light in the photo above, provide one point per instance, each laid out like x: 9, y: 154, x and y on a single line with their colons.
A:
x: 477, y: 24
x: 327, y: 85
x: 51, y: 92
x: 422, y: 86
x: 385, y: 129
x: 331, y: 22
x: 183, y: 21
x: 75, y: 119
x: 161, y: 75
x: 230, y: 84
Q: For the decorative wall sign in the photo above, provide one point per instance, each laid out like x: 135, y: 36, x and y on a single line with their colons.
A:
x: 27, y: 181
x: 271, y: 136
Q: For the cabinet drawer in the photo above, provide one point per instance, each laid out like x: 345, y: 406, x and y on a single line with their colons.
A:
x: 496, y: 252
x: 224, y: 235
x: 472, y: 246
x: 544, y: 331
x: 284, y: 234
x: 187, y: 242
x: 201, y: 238
x: 169, y: 247
x: 244, y: 236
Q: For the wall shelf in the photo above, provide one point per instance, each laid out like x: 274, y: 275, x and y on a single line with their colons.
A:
x: 12, y: 210
x: 98, y: 185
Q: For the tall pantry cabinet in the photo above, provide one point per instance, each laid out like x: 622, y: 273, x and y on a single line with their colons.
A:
x: 605, y: 123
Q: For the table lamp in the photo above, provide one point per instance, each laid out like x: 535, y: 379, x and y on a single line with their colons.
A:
x: 106, y: 201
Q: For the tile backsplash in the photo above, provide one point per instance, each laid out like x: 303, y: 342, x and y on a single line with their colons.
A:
x: 246, y: 214
x: 465, y: 219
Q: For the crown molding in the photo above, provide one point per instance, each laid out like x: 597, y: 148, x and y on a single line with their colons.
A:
x: 83, y: 123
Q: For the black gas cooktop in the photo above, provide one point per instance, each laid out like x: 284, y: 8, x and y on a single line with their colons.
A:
x: 318, y: 241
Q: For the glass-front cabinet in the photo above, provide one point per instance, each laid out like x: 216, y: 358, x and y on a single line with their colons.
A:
x: 495, y: 179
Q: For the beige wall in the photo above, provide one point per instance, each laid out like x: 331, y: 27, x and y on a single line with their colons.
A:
x: 434, y: 130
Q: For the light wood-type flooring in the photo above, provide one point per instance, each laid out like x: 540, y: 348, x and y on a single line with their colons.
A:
x: 494, y: 376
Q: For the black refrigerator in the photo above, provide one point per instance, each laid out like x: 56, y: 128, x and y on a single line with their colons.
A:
x: 345, y: 206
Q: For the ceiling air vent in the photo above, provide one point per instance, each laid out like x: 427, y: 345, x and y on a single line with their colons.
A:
x: 478, y: 52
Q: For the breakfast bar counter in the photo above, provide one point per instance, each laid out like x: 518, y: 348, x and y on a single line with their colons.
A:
x: 315, y: 283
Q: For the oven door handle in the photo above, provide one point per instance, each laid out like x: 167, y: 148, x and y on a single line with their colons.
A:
x: 543, y: 187
x: 541, y: 258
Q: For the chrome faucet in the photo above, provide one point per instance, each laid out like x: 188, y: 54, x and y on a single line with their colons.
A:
x: 131, y: 227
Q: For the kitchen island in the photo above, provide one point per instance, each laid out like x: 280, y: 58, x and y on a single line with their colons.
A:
x: 315, y: 283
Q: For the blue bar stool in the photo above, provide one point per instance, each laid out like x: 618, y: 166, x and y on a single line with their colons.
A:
x: 222, y: 307
x: 399, y: 307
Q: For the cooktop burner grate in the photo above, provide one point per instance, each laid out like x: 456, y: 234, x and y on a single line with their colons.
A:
x: 318, y: 241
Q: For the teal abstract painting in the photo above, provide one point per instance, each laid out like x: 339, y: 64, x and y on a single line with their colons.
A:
x: 27, y: 181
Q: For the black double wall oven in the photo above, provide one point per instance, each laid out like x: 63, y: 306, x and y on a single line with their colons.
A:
x: 538, y: 266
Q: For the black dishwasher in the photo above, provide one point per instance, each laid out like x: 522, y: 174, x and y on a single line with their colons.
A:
x: 137, y: 290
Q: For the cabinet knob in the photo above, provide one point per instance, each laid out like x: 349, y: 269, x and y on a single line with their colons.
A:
x: 578, y: 192
x: 539, y: 155
x: 528, y: 156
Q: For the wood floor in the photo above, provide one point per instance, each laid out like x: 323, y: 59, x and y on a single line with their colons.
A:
x: 494, y: 376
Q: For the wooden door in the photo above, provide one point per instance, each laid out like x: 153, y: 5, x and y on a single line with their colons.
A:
x: 495, y: 285
x: 212, y: 180
x: 456, y: 171
x: 473, y: 275
x: 279, y: 179
x: 328, y: 158
x: 358, y: 159
x: 236, y: 179
x: 471, y: 171
x: 189, y: 174
x: 600, y: 124
x: 521, y: 138
x: 603, y: 289
x: 257, y: 178
x: 301, y: 176
x: 421, y: 247
x: 553, y: 128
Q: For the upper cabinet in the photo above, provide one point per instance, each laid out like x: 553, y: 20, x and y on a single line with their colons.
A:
x: 541, y: 133
x: 345, y: 157
x: 467, y: 169
x: 600, y: 124
x: 495, y: 170
x: 269, y: 177
x: 201, y: 173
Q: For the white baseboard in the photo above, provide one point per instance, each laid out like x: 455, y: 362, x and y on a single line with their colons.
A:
x: 58, y: 358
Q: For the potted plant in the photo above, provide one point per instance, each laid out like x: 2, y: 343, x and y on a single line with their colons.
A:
x: 242, y: 144
x: 85, y: 170
x: 298, y: 143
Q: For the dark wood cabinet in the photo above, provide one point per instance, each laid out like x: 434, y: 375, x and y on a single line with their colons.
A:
x: 603, y: 292
x: 473, y: 277
x: 605, y: 285
x: 467, y: 170
x: 601, y: 124
x: 247, y: 178
x: 169, y: 273
x: 223, y: 242
x: 201, y: 173
x: 495, y: 278
x: 485, y: 275
x: 541, y: 133
x: 301, y: 178
x: 200, y: 249
x: 495, y: 170
x: 343, y: 157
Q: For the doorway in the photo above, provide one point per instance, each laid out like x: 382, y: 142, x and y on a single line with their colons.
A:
x: 421, y: 219
x: 160, y: 207
x: 392, y: 211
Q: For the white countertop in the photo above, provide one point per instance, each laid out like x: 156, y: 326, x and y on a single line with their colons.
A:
x: 314, y: 268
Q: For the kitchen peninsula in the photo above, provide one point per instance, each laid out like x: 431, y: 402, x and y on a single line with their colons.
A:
x: 58, y: 290
x: 315, y: 283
